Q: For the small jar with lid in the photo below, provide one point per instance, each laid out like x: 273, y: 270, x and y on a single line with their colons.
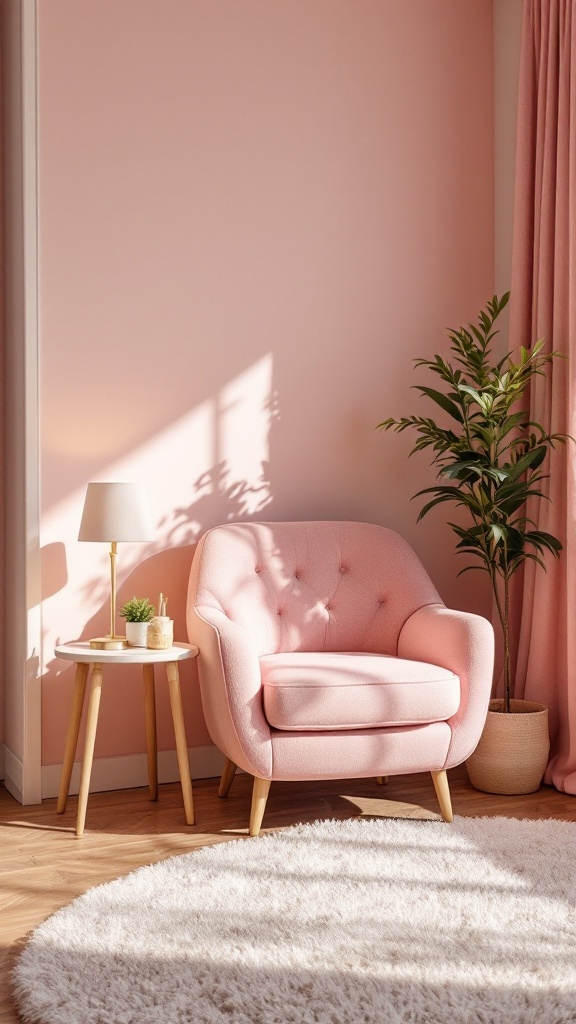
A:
x: 160, y: 633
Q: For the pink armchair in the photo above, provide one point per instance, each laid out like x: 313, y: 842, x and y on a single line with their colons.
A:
x: 326, y: 653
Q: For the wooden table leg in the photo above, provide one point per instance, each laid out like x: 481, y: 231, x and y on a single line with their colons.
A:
x: 151, y: 742
x: 72, y: 735
x: 91, y: 724
x: 180, y: 736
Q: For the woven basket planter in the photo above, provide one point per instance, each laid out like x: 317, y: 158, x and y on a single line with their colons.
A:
x: 512, y: 754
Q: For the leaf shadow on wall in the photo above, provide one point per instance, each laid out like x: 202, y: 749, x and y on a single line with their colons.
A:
x: 221, y: 500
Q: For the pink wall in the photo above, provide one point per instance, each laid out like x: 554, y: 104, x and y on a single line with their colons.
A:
x: 253, y: 216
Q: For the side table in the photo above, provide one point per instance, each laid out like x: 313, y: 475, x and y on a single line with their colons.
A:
x: 84, y: 656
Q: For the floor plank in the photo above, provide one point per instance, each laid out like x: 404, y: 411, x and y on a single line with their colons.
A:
x: 43, y: 866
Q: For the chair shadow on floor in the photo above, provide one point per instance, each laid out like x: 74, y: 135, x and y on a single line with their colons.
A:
x: 130, y: 812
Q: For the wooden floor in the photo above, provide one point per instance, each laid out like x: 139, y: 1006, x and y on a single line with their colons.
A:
x: 43, y: 866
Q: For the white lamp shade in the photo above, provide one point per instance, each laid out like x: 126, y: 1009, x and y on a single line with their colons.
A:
x: 116, y: 512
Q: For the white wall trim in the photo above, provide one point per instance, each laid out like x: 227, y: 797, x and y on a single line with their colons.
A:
x: 32, y: 782
x: 23, y: 604
x: 131, y: 771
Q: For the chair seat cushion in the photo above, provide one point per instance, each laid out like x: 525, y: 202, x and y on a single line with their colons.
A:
x: 306, y: 691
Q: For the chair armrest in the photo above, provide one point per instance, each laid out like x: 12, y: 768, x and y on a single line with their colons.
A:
x: 230, y: 685
x: 464, y: 644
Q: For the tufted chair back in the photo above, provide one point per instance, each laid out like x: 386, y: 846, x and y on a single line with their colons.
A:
x: 311, y: 586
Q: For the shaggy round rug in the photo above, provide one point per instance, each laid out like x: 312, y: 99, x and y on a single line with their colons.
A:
x: 340, y: 922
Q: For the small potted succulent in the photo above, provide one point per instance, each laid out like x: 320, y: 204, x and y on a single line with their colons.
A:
x: 138, y: 612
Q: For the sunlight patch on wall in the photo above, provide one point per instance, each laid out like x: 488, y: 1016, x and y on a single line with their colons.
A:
x: 244, y: 416
x: 209, y: 467
x: 166, y: 465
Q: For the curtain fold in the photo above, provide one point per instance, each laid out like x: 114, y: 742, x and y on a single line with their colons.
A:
x: 543, y: 305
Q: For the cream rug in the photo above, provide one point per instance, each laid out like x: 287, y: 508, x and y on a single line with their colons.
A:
x: 341, y: 922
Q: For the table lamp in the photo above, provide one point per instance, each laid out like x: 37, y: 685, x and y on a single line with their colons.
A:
x: 115, y: 512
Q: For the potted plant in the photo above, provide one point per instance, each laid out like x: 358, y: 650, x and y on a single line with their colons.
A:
x: 489, y: 463
x: 138, y: 612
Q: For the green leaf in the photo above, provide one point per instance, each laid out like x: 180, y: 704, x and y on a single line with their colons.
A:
x: 534, y: 558
x: 468, y: 568
x: 443, y: 401
x: 542, y: 540
x: 471, y: 391
x: 514, y: 540
x: 470, y: 544
x: 508, y: 508
x: 437, y: 501
x: 474, y: 553
x: 511, y: 422
x: 439, y: 489
x: 494, y: 473
x: 531, y: 460
x: 461, y: 470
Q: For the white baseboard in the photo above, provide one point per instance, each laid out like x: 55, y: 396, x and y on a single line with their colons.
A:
x: 13, y: 774
x: 131, y: 771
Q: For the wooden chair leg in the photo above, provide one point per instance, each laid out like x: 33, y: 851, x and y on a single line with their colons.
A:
x: 382, y: 780
x: 227, y: 779
x: 260, y: 792
x: 440, y: 780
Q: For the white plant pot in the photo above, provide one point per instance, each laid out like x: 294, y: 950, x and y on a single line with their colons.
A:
x: 137, y: 633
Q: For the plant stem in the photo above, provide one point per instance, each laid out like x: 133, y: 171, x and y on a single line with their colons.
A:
x: 506, y: 632
x: 503, y: 613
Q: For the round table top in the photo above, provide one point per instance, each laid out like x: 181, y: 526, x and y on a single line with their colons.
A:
x: 80, y: 651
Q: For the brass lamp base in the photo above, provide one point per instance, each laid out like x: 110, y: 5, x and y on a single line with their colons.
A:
x: 108, y: 643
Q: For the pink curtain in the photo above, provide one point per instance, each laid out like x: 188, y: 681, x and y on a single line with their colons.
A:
x: 543, y: 305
